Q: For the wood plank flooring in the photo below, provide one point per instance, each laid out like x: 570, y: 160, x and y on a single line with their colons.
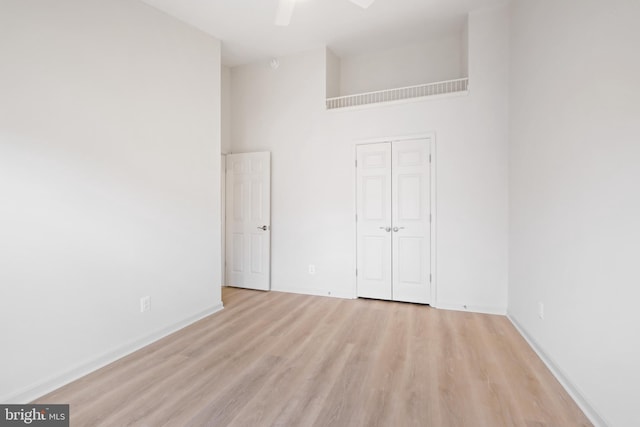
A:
x: 275, y: 359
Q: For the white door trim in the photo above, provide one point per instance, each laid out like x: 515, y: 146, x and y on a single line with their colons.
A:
x: 223, y: 213
x: 433, y: 204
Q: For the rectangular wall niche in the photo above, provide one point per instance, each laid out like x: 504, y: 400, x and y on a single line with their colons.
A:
x: 434, y: 67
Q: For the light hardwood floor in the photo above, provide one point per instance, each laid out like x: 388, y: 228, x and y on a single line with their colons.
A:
x: 275, y: 359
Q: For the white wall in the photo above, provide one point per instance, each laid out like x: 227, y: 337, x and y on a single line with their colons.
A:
x: 225, y: 82
x: 574, y: 199
x: 109, y: 176
x: 313, y: 152
x: 333, y: 74
x: 464, y: 50
x: 429, y: 61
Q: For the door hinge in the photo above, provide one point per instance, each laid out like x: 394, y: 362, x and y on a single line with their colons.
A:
x: 356, y: 272
x: 430, y: 220
x: 356, y: 162
x: 430, y: 279
x: 356, y: 217
x: 429, y: 158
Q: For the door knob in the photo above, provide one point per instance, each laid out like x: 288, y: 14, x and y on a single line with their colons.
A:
x: 387, y: 229
x: 396, y: 229
x: 264, y: 228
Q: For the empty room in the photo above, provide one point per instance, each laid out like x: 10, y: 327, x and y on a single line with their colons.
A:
x: 319, y: 213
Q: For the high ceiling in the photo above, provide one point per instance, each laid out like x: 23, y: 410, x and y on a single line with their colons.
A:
x: 248, y: 33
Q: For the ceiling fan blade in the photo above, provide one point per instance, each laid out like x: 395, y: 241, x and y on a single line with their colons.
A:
x: 362, y: 3
x: 285, y: 10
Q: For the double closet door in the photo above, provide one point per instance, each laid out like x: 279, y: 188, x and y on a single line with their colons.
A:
x: 394, y: 221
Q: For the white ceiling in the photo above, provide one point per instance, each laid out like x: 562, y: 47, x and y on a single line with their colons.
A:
x: 248, y: 34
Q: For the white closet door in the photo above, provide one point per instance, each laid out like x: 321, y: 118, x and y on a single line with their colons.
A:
x: 248, y: 220
x: 394, y: 221
x: 374, y: 221
x: 411, y: 221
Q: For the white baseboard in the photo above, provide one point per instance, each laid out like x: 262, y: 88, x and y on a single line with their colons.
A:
x: 471, y: 308
x: 573, y: 391
x: 316, y: 292
x: 31, y: 393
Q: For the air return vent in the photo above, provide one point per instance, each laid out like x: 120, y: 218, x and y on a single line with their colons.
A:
x: 391, y: 95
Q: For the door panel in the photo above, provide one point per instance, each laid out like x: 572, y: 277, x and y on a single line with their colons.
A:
x: 409, y: 196
x: 248, y: 220
x: 411, y: 221
x: 373, y: 221
x: 374, y: 255
x: 374, y: 203
x: 237, y: 253
x: 256, y: 253
x: 409, y: 254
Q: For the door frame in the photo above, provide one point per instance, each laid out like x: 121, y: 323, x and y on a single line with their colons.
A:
x: 431, y: 136
x: 223, y: 212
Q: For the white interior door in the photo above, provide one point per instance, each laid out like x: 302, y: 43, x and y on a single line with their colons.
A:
x: 411, y: 221
x: 248, y: 220
x: 374, y: 221
x: 394, y: 221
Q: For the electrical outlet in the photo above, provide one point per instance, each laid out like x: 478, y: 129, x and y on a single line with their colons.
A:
x: 145, y: 304
x: 312, y: 269
x: 541, y: 310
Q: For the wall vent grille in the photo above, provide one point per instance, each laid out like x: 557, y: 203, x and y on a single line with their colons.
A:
x: 392, y: 95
